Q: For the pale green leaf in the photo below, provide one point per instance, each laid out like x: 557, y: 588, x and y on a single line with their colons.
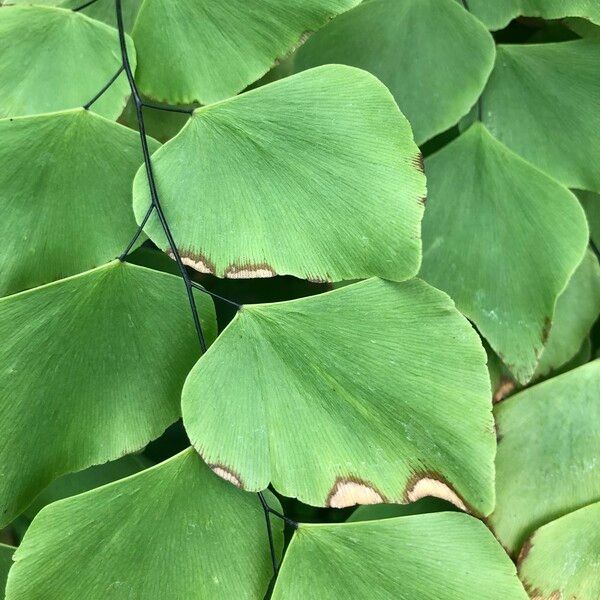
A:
x: 206, y: 50
x: 547, y: 462
x: 375, y: 392
x: 542, y: 102
x: 497, y: 14
x: 502, y: 239
x: 297, y: 177
x: 434, y: 56
x: 577, y: 309
x: 65, y: 195
x: 445, y: 556
x: 173, y: 532
x: 103, y: 10
x: 53, y: 59
x: 562, y: 559
x: 91, y: 369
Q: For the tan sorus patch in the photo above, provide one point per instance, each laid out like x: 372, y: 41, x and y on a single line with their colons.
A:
x: 505, y: 388
x: 199, y: 262
x: 418, y: 162
x: 428, y: 485
x: 249, y: 271
x: 349, y: 492
x: 227, y: 475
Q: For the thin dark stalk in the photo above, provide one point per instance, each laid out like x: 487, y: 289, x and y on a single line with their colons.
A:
x: 595, y: 248
x: 215, y: 295
x: 267, y: 511
x: 464, y: 3
x: 167, y: 108
x: 150, y: 175
x: 106, y: 86
x: 84, y: 5
x: 293, y: 524
x: 137, y: 233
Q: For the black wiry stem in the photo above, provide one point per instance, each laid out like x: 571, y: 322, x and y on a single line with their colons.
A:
x: 101, y: 92
x: 150, y: 176
x: 267, y: 511
x: 595, y: 248
x: 84, y: 5
x: 167, y: 108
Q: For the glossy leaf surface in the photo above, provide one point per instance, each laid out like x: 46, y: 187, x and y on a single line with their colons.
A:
x: 503, y: 239
x: 496, y: 14
x: 445, y: 556
x: 577, y: 309
x: 434, y: 56
x: 92, y: 368
x: 326, y: 187
x: 547, y: 461
x: 174, y: 531
x: 375, y: 392
x: 69, y: 58
x: 205, y: 50
x: 542, y: 102
x: 562, y: 559
x: 65, y: 195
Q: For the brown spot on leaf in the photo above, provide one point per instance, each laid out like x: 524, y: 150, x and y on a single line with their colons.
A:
x: 432, y: 484
x: 249, y: 271
x: 348, y: 492
x: 546, y: 329
x: 227, y: 474
x: 525, y: 549
x: 505, y: 386
x: 198, y: 262
x: 423, y: 200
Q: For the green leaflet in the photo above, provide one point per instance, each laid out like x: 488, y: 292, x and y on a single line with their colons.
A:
x: 434, y: 56
x: 577, y: 309
x: 496, y: 14
x: 91, y: 368
x: 562, y: 559
x: 502, y: 239
x: 68, y: 58
x: 547, y: 461
x: 206, y: 50
x: 374, y: 512
x: 173, y: 532
x: 322, y: 187
x: 591, y: 205
x: 6, y: 554
x: 83, y: 481
x: 103, y: 10
x: 65, y: 195
x: 445, y: 556
x: 375, y: 392
x: 561, y: 136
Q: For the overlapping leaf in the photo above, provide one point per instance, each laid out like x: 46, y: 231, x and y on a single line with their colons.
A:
x: 65, y: 195
x: 6, y: 554
x: 327, y: 186
x: 53, y: 59
x: 496, y: 14
x: 591, y: 205
x: 374, y: 392
x: 91, y: 369
x: 577, y: 309
x: 542, y: 102
x: 103, y: 10
x: 446, y: 556
x: 547, y: 461
x: 374, y: 512
x: 174, y: 531
x: 205, y: 51
x: 502, y: 239
x: 562, y: 559
x: 434, y: 56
